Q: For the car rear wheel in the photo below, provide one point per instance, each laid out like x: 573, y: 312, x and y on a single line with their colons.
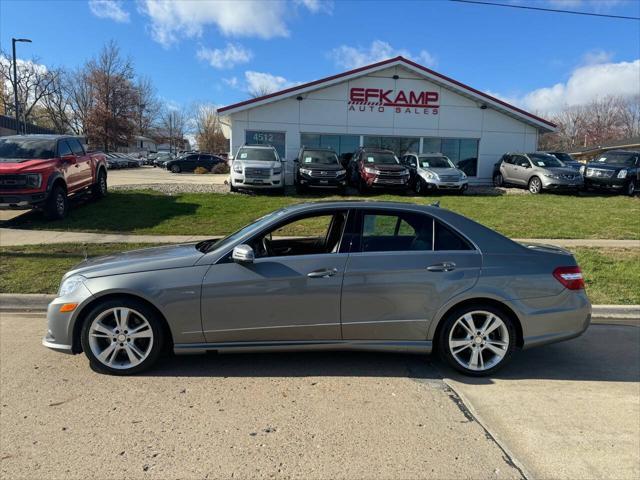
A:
x: 99, y: 189
x: 57, y: 204
x: 477, y: 340
x: 535, y: 185
x: 175, y: 169
x: 631, y: 188
x: 122, y: 337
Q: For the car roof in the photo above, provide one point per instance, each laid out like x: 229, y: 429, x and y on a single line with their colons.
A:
x: 628, y: 152
x: 39, y: 136
x: 432, y: 154
x: 250, y: 145
x: 375, y: 149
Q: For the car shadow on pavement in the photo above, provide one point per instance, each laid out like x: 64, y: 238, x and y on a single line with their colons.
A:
x: 299, y: 364
x: 607, y: 353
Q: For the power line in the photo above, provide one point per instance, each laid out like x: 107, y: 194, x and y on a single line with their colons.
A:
x: 524, y: 7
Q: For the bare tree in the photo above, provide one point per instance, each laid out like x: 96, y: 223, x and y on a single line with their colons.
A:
x: 172, y: 127
x: 630, y: 116
x: 35, y: 82
x: 147, y: 106
x: 208, y: 129
x: 111, y: 118
x: 80, y: 93
x: 56, y: 107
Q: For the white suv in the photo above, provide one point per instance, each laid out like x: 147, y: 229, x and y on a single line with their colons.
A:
x: 257, y: 167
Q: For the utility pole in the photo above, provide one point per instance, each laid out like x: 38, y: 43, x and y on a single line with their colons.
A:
x: 15, y: 80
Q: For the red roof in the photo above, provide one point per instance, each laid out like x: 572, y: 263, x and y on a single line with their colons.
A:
x: 379, y: 64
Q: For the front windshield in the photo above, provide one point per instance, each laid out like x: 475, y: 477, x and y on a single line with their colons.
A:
x: 625, y: 159
x: 319, y: 157
x: 27, y: 148
x: 258, y: 154
x: 436, y: 162
x: 380, y: 158
x: 208, y: 246
x: 563, y: 157
x: 544, y: 160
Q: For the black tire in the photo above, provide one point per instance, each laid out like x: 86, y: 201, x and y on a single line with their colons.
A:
x: 362, y: 187
x: 300, y: 189
x: 342, y: 191
x: 56, y: 206
x: 99, y: 189
x: 175, y: 169
x: 498, y: 181
x: 631, y: 188
x: 444, y: 348
x: 232, y: 189
x: 420, y: 187
x: 535, y: 185
x: 156, y: 348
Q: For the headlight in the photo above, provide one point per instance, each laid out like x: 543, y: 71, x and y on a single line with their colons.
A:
x: 622, y: 173
x: 405, y: 173
x: 372, y: 171
x: 551, y: 175
x: 305, y: 171
x: 341, y: 172
x: 69, y: 285
x: 34, y: 180
x: 277, y: 172
x: 430, y: 175
x: 582, y: 169
x: 463, y: 175
x: 237, y: 167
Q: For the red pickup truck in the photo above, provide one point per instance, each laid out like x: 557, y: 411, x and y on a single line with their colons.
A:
x: 43, y: 171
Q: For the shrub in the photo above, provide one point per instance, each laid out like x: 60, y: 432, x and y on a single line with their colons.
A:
x: 200, y: 170
x: 221, y: 168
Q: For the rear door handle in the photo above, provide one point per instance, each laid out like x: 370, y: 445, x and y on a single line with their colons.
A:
x: 323, y: 273
x: 442, y: 267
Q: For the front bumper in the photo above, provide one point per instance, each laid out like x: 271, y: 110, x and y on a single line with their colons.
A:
x: 21, y: 200
x: 561, y: 183
x: 437, y: 184
x: 321, y: 182
x: 240, y: 181
x: 60, y: 325
x: 611, y: 183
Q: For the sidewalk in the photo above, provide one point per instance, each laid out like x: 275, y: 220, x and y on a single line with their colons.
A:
x: 13, y: 237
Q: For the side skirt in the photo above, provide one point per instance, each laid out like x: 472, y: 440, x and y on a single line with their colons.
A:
x: 403, y: 346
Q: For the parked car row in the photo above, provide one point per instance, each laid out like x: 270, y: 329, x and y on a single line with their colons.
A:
x: 616, y: 170
x: 123, y: 160
x: 192, y: 161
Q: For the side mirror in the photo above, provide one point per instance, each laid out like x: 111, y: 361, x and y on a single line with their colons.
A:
x: 243, y: 254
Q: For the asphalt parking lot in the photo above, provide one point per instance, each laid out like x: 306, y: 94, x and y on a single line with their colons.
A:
x: 570, y: 410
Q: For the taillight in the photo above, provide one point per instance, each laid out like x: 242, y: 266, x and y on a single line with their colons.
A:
x: 570, y: 277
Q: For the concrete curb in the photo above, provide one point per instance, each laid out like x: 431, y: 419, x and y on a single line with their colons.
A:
x: 37, y: 302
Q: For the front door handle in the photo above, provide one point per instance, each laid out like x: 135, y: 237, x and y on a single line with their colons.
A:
x: 323, y: 273
x: 442, y: 267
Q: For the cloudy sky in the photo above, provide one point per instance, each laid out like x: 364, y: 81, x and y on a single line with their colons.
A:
x: 221, y: 51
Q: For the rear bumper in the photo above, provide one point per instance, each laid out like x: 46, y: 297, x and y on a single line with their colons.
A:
x: 21, y: 200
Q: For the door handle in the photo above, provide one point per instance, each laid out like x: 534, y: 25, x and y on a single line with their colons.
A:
x: 323, y: 273
x: 442, y: 267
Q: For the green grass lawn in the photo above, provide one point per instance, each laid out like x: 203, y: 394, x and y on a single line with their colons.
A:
x: 611, y: 274
x: 517, y: 216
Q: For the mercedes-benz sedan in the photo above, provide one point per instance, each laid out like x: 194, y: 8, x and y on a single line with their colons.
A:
x: 333, y: 275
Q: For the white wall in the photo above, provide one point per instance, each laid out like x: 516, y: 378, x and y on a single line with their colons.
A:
x: 327, y: 111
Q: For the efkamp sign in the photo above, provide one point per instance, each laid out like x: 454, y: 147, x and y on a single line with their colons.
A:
x: 378, y: 99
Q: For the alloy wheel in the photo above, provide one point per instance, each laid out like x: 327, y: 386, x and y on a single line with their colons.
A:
x: 535, y: 185
x: 61, y: 204
x: 120, y: 338
x: 631, y: 188
x: 479, y: 340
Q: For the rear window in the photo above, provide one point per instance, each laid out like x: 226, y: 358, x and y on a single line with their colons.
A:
x: 259, y: 154
x: 26, y: 148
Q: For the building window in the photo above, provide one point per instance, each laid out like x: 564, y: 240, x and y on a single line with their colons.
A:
x: 399, y: 145
x: 275, y: 139
x: 463, y: 152
x: 341, y: 144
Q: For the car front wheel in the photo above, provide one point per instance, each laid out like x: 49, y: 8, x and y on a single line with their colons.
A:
x: 122, y: 337
x: 477, y: 340
x: 57, y: 204
x: 175, y: 169
x: 535, y: 185
x: 631, y: 188
x: 99, y: 189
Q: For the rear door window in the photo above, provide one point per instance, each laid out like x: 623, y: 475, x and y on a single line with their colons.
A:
x: 396, y: 231
x: 446, y: 239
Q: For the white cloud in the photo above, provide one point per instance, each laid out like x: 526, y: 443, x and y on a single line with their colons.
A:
x: 353, y: 57
x: 233, y: 54
x: 188, y: 18
x: 233, y: 82
x: 597, y: 6
x: 586, y: 83
x: 111, y: 9
x: 595, y: 57
x: 316, y: 6
x: 259, y: 83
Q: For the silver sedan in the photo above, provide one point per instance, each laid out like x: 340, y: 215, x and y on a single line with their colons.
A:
x: 333, y: 275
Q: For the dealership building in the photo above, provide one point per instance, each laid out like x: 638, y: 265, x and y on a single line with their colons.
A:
x: 395, y: 104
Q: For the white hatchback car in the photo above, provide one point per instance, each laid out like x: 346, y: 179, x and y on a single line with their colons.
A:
x: 257, y: 167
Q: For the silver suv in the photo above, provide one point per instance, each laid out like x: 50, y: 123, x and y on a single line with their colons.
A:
x: 537, y: 171
x: 434, y: 171
x: 257, y: 167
